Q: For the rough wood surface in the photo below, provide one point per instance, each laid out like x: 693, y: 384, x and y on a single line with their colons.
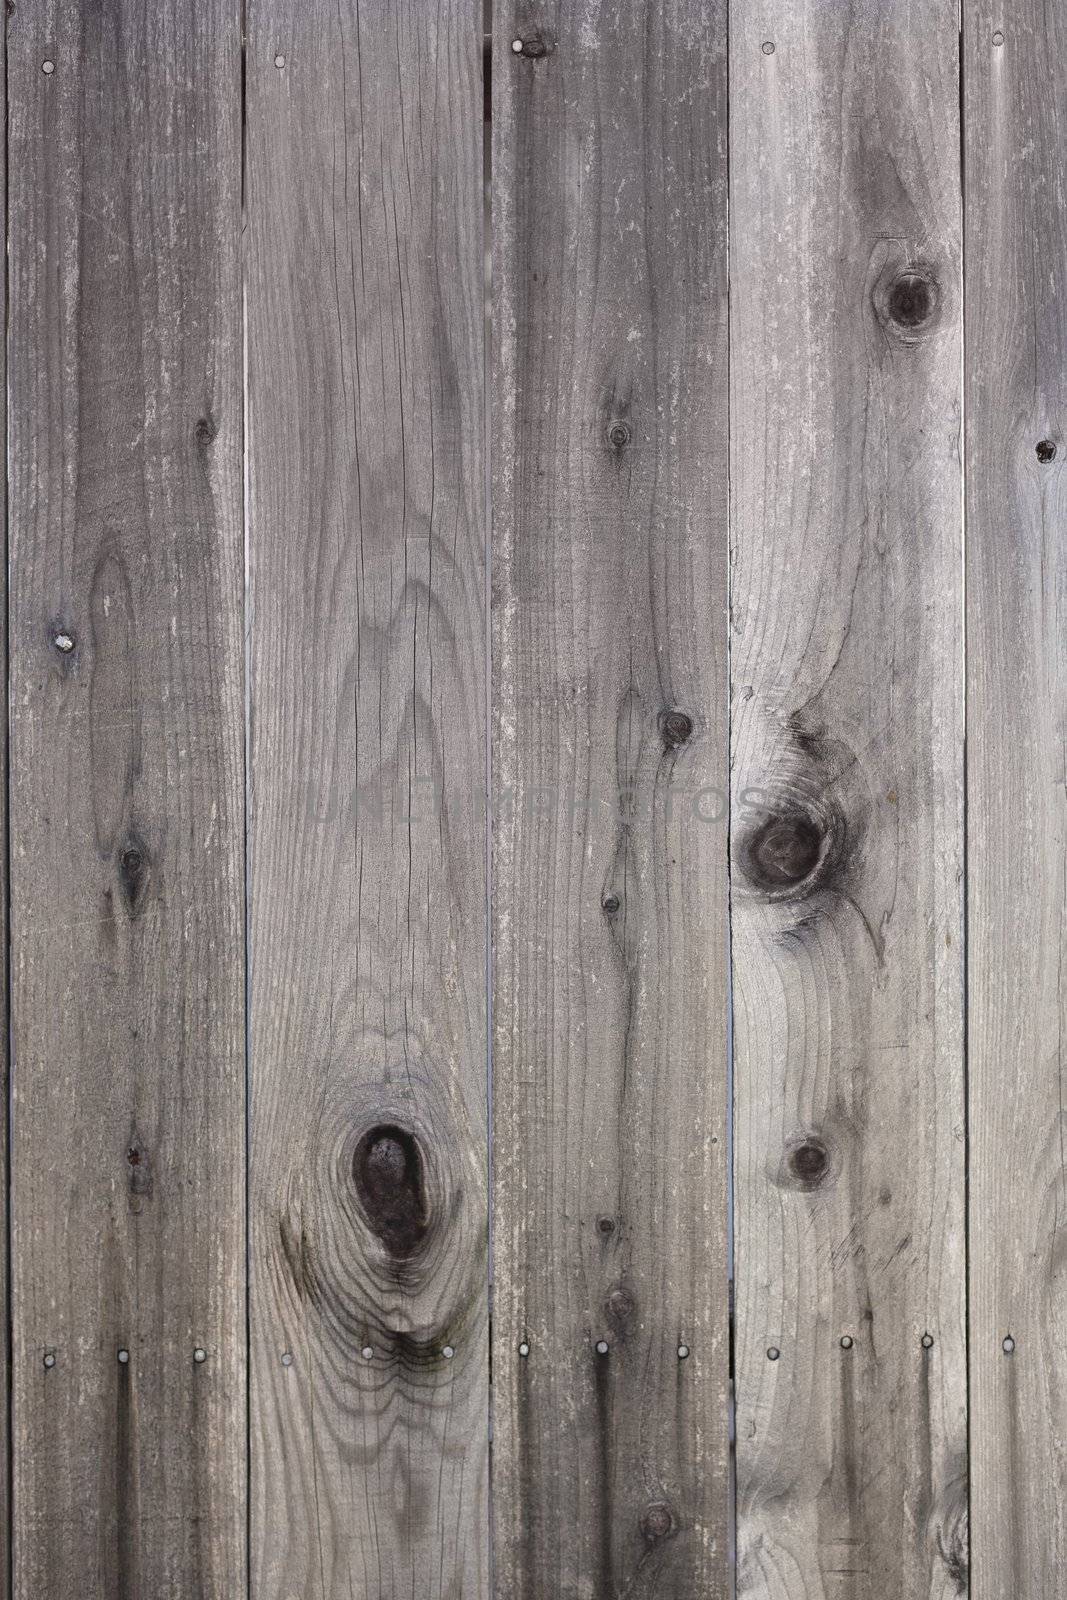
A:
x: 1015, y: 128
x: 846, y: 744
x: 609, y: 574
x: 368, y: 1177
x: 126, y: 799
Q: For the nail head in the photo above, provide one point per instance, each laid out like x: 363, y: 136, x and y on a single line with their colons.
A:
x: 279, y: 60
x: 846, y: 1341
x: 524, y: 1349
x: 602, y: 1347
x: 773, y: 1353
x: 124, y: 1356
x: 998, y: 38
x: 287, y: 1359
x: 683, y: 1351
x: 367, y: 1352
x: 199, y: 1355
x: 927, y: 1341
x: 768, y: 47
x: 49, y: 1360
x: 516, y: 46
x: 1008, y: 1345
x: 48, y: 67
x: 448, y: 1352
x: 64, y: 643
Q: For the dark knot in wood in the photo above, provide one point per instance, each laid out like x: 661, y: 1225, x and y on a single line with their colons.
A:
x: 206, y: 431
x: 534, y: 47
x: 911, y: 300
x: 1046, y: 451
x: 676, y: 728
x: 134, y: 871
x: 387, y: 1169
x: 619, y: 435
x: 784, y: 851
x: 657, y: 1522
x: 809, y: 1162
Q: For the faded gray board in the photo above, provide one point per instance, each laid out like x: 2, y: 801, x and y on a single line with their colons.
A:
x: 847, y: 757
x: 609, y: 916
x: 127, y: 1183
x: 368, y: 1175
x: 1015, y: 131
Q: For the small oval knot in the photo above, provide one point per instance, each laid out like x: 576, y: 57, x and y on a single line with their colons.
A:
x: 677, y: 729
x: 784, y: 851
x: 911, y: 300
x: 387, y: 1169
x: 619, y: 435
x: 133, y: 867
x: 206, y: 430
x: 809, y: 1162
x: 657, y: 1523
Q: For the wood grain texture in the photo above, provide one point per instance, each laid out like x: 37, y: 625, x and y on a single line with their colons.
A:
x: 846, y: 743
x: 126, y: 799
x: 609, y: 590
x: 368, y: 1177
x: 1015, y: 126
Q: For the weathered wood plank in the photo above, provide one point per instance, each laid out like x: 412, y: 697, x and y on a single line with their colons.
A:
x: 1015, y: 130
x: 368, y: 1178
x: 610, y: 1150
x: 5, y: 1348
x: 846, y: 741
x: 126, y: 799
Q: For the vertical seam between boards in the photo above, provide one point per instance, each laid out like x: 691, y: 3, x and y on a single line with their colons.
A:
x: 246, y: 707
x: 964, y: 905
x: 731, y: 1211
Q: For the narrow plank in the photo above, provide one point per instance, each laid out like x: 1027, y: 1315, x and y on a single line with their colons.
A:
x: 368, y: 1177
x: 846, y: 742
x: 609, y: 773
x: 126, y: 799
x: 1015, y: 130
x: 5, y: 1337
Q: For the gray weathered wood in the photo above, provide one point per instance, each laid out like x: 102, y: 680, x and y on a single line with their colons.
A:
x: 126, y: 799
x: 1015, y: 129
x: 610, y: 1470
x: 847, y: 779
x: 368, y: 1177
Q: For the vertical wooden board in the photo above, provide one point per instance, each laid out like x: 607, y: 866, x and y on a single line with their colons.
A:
x: 609, y: 771
x: 368, y: 1178
x: 846, y: 754
x: 127, y: 974
x: 5, y: 1343
x: 1015, y: 130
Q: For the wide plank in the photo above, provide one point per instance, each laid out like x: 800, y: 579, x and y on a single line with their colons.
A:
x: 368, y: 1160
x: 847, y: 769
x: 126, y: 728
x: 1015, y: 143
x: 611, y: 1331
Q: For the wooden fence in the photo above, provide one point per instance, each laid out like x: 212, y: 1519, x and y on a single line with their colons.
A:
x: 743, y: 844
